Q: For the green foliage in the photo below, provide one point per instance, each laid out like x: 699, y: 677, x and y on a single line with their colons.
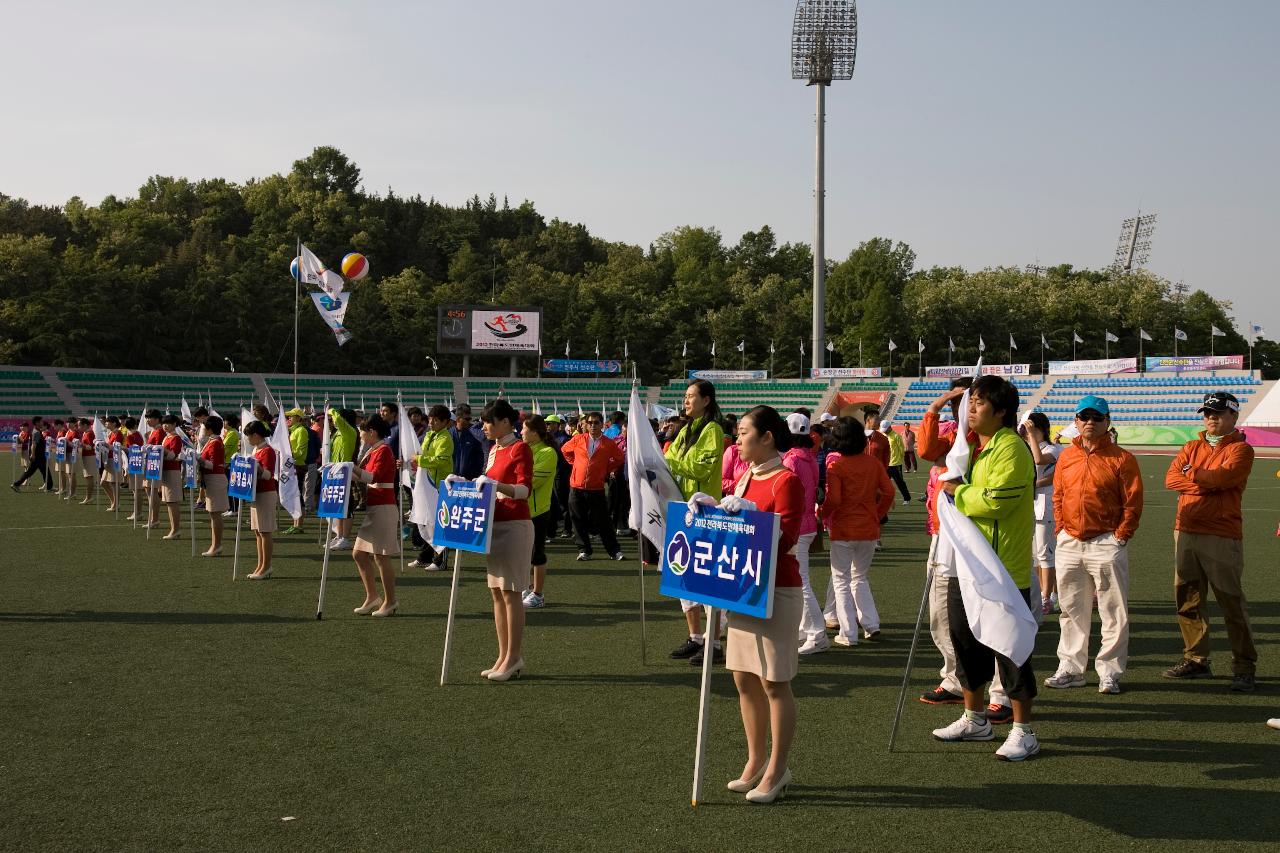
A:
x: 189, y: 272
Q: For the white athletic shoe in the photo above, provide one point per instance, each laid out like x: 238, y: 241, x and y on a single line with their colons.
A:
x: 906, y: 502
x: 340, y: 544
x: 1018, y: 746
x: 965, y: 729
x: 1109, y: 684
x: 533, y: 601
x: 435, y: 567
x: 815, y: 645
x: 1062, y: 678
x: 412, y: 564
x: 841, y: 640
x: 1274, y: 722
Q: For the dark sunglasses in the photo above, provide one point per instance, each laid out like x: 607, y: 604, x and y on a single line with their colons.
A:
x: 1086, y: 417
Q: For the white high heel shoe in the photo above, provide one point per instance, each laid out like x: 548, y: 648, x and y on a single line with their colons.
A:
x: 386, y: 610
x: 741, y: 786
x: 366, y: 609
x: 217, y: 553
x: 507, y: 674
x: 757, y: 796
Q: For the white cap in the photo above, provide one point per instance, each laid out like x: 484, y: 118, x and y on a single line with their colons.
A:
x: 798, y: 424
x: 826, y: 416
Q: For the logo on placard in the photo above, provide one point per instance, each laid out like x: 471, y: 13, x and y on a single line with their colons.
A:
x: 679, y: 553
x: 507, y: 326
x: 442, y: 516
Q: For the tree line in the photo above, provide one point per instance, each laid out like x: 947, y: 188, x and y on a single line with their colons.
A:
x: 188, y: 273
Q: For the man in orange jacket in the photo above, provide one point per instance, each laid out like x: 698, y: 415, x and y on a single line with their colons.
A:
x: 593, y: 457
x: 1097, y: 503
x: 1209, y: 474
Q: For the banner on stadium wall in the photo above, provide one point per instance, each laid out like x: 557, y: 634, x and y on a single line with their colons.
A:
x: 952, y: 371
x: 845, y: 372
x: 729, y: 375
x: 1173, y: 364
x: 1093, y: 365
x: 581, y: 365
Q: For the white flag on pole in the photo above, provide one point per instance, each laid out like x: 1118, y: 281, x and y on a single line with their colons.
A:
x: 597, y: 347
x: 311, y: 270
x: 286, y: 474
x: 684, y: 349
x: 919, y: 344
x: 566, y: 349
x: 892, y: 345
x: 1044, y: 343
x: 1217, y: 333
x: 408, y: 446
x: 1012, y: 343
x: 742, y: 346
x: 1142, y: 333
x: 324, y: 438
x: 626, y: 350
x: 713, y: 349
x: 649, y: 480
x: 1112, y: 339
x: 186, y: 411
x: 951, y: 345
x: 831, y: 346
x: 1179, y: 335
x: 1255, y: 331
x: 1075, y: 336
x: 333, y: 310
x: 771, y: 350
x: 425, y: 500
x: 982, y: 345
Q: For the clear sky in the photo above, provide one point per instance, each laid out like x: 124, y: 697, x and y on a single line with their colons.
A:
x: 986, y: 133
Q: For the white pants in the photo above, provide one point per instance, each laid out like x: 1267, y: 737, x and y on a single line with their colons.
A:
x: 1097, y: 565
x: 811, y: 624
x: 850, y: 565
x: 939, y: 624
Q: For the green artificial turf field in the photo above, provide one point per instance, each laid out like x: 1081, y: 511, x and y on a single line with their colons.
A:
x: 150, y: 703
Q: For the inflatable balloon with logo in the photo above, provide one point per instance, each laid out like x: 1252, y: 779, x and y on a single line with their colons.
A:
x: 355, y: 266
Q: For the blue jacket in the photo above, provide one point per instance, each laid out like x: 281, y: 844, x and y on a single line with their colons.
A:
x: 468, y: 454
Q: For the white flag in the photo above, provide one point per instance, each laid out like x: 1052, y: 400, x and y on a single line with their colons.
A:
x: 684, y: 349
x: 831, y: 346
x: 425, y: 500
x: 982, y: 346
x: 742, y: 346
x: 919, y: 344
x: 246, y: 418
x: 408, y: 446
x: 580, y: 412
x: 311, y: 270
x: 333, y: 310
x: 802, y: 347
x: 951, y: 345
x: 324, y: 438
x: 597, y: 347
x: 1255, y: 331
x: 566, y: 349
x: 1012, y: 344
x: 290, y: 496
x: 626, y: 350
x: 1217, y: 333
x: 1112, y: 339
x: 186, y: 411
x: 713, y: 349
x: 1044, y: 343
x: 648, y: 479
x: 771, y: 350
x: 892, y: 345
x: 1075, y: 336
x: 1142, y: 333
x: 1179, y: 335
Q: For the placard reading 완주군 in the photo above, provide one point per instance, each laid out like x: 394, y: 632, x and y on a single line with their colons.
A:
x: 721, y: 560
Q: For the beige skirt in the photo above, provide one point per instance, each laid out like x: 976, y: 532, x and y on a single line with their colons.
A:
x: 88, y: 466
x: 508, y: 560
x: 171, y: 487
x: 215, y: 493
x: 262, y: 513
x: 111, y: 476
x: 380, y: 532
x: 768, y: 647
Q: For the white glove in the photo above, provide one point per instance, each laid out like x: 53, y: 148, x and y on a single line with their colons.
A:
x: 482, y: 479
x: 456, y: 478
x: 734, y: 504
x: 700, y: 499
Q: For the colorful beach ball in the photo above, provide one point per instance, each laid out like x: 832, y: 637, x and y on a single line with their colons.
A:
x: 355, y: 266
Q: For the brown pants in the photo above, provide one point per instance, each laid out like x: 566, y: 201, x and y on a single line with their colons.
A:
x: 1200, y: 562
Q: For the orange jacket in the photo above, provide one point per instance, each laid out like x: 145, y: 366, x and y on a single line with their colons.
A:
x: 589, y: 471
x: 1097, y: 491
x: 878, y: 448
x: 1209, y: 493
x: 933, y: 448
x: 859, y: 494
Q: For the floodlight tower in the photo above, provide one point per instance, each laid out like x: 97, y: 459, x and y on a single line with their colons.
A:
x: 1134, y: 247
x: 824, y: 42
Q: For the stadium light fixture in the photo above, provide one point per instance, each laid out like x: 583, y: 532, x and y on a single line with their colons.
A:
x: 1134, y: 247
x: 824, y: 45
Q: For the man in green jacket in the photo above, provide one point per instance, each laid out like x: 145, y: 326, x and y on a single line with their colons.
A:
x: 298, y: 433
x: 436, y: 458
x: 343, y: 449
x: 998, y: 497
x: 695, y: 457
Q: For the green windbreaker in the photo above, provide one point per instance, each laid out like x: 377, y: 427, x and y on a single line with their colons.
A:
x: 436, y: 455
x: 697, y: 467
x: 545, y: 459
x: 344, y: 439
x: 999, y: 498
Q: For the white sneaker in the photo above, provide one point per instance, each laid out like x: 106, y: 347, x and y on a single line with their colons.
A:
x: 340, y: 544
x: 1062, y: 678
x: 1274, y: 722
x: 1108, y: 684
x: 435, y: 567
x: 815, y: 645
x: 412, y: 564
x: 228, y: 514
x: 1018, y: 746
x: 906, y: 502
x: 841, y: 640
x: 966, y: 729
x: 533, y: 601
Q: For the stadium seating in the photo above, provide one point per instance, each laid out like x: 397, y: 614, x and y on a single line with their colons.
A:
x: 738, y: 397
x: 1144, y: 399
x: 124, y: 391
x: 915, y: 402
x: 24, y: 393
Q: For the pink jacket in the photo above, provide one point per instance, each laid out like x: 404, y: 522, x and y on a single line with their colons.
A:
x: 801, y: 462
x: 732, y: 467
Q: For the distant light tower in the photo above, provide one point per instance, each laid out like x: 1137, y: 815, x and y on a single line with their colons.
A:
x: 1037, y: 270
x: 1134, y: 247
x: 824, y: 43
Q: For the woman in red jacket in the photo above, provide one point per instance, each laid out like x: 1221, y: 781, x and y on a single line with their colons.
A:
x: 763, y: 653
x: 378, y: 539
x: 262, y: 515
x: 171, y: 474
x: 859, y: 494
x: 213, y: 464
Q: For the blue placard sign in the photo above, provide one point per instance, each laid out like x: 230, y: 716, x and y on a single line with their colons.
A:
x: 242, y: 479
x: 464, y: 517
x: 136, y: 463
x: 719, y: 559
x: 335, y: 490
x: 189, y: 468
x: 61, y: 453
x: 154, y: 463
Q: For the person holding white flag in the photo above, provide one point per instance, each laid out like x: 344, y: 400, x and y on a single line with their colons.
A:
x: 987, y: 520
x: 433, y: 460
x: 286, y: 472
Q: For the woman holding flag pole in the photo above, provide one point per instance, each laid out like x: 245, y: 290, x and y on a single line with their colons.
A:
x: 213, y: 462
x: 171, y: 475
x: 379, y: 536
x: 262, y: 515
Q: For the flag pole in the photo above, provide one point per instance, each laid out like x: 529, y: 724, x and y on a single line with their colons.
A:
x: 191, y: 499
x: 297, y: 295
x: 324, y: 567
x: 640, y: 540
x: 235, y: 554
x: 400, y: 490
x: 911, y: 654
x: 704, y: 697
x: 453, y: 605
